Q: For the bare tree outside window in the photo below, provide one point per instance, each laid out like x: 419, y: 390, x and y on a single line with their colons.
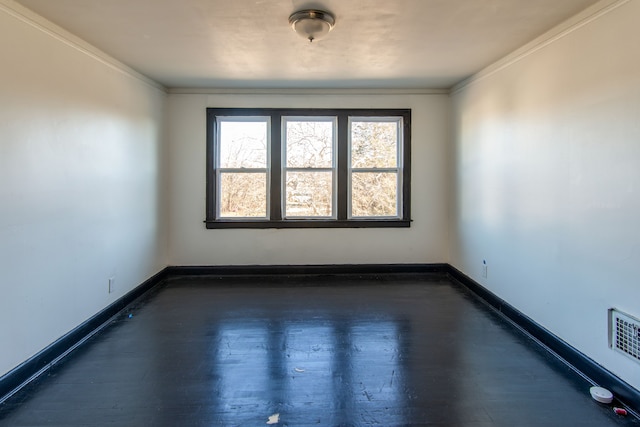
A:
x: 374, y: 166
x: 243, y: 169
x: 309, y: 168
x: 243, y: 195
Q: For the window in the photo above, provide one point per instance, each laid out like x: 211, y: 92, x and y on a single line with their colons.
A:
x: 296, y: 168
x: 309, y: 167
x: 243, y: 167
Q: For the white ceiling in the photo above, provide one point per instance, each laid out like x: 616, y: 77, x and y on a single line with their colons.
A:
x: 249, y: 44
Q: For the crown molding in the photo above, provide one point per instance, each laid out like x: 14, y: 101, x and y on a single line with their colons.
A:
x: 572, y: 24
x: 31, y: 18
x: 304, y: 92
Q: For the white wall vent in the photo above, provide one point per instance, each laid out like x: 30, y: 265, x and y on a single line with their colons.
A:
x: 624, y: 334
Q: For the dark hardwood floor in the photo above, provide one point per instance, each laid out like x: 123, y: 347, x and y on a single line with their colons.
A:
x: 398, y: 350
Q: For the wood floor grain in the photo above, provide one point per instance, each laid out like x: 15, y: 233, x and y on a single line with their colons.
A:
x: 396, y: 350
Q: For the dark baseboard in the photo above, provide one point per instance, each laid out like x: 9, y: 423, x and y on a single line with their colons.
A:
x: 28, y: 370
x: 624, y: 392
x: 13, y: 380
x: 320, y: 270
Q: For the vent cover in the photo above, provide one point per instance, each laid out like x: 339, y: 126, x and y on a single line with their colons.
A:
x: 624, y: 334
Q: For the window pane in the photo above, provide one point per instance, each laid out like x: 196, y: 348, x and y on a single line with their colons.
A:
x: 309, y: 144
x: 309, y: 194
x: 374, y: 144
x: 243, y: 195
x: 374, y: 194
x: 243, y: 144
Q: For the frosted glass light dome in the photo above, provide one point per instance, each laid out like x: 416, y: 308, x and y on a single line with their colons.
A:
x: 312, y: 24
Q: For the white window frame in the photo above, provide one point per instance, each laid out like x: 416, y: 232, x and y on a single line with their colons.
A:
x: 333, y: 169
x: 398, y: 170
x: 266, y: 170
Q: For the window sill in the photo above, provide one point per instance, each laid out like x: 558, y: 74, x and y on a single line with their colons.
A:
x: 293, y: 223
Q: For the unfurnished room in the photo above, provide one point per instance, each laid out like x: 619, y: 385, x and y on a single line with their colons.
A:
x: 320, y: 213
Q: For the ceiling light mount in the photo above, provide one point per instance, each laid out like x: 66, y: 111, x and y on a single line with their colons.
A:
x: 312, y: 24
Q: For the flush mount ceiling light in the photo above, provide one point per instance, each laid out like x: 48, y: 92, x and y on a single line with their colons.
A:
x: 312, y: 24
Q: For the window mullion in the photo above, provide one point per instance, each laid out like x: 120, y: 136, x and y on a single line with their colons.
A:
x: 375, y: 170
x: 406, y: 166
x: 308, y: 169
x: 242, y: 170
x: 212, y: 175
x: 276, y: 182
x: 342, y: 145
